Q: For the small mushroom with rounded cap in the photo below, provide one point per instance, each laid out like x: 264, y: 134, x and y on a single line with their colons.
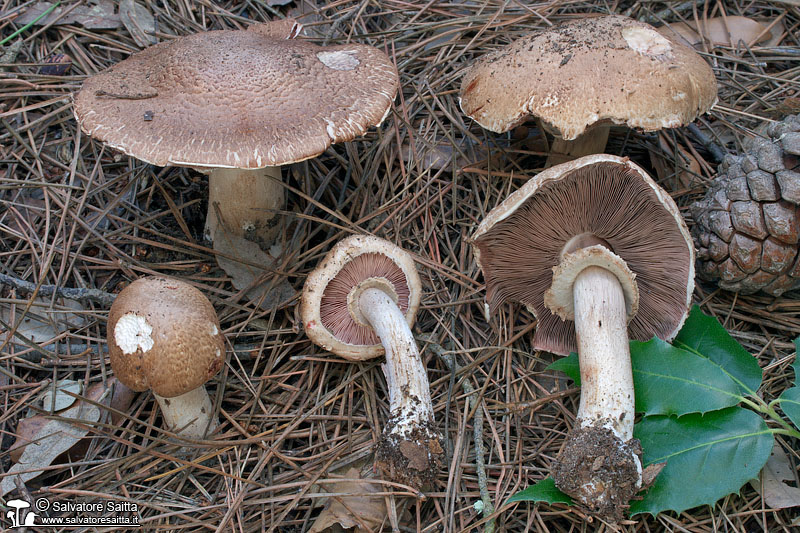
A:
x: 239, y: 103
x: 582, y: 76
x: 599, y: 253
x: 164, y: 335
x: 360, y: 303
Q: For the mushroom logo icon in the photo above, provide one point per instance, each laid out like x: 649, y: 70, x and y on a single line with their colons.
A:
x: 14, y: 516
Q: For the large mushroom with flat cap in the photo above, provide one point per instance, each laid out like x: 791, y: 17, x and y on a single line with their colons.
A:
x: 599, y: 253
x: 585, y: 75
x: 164, y: 335
x: 240, y: 103
x: 360, y: 303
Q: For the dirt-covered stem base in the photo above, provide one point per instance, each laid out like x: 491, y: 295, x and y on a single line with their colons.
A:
x: 410, y: 451
x: 599, y: 470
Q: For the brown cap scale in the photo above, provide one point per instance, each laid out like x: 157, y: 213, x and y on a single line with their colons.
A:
x: 237, y: 99
x: 359, y: 303
x: 164, y: 335
x: 610, y: 69
x: 598, y: 252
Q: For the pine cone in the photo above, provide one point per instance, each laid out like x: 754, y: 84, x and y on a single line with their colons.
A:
x: 747, y: 226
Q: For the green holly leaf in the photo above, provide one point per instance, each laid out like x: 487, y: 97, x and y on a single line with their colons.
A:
x: 669, y: 380
x: 568, y: 365
x: 790, y: 404
x: 705, y: 336
x: 790, y: 399
x: 708, y: 457
x: 543, y: 491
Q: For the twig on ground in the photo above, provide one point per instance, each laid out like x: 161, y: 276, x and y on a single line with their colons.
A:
x: 716, y: 151
x: 485, y: 506
x: 85, y: 295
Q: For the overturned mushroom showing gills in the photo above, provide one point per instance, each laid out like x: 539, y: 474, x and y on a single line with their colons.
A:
x: 164, y: 335
x: 599, y: 253
x: 360, y: 303
x: 240, y: 103
x: 582, y: 76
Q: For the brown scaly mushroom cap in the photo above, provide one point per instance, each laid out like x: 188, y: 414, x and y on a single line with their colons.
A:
x: 329, y: 306
x: 576, y: 74
x: 598, y: 199
x: 237, y: 99
x: 164, y: 335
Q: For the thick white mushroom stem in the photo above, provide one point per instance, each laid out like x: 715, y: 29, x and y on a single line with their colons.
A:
x: 601, y: 329
x: 592, y: 141
x: 409, y: 450
x: 599, y: 464
x: 246, y: 201
x: 189, y: 415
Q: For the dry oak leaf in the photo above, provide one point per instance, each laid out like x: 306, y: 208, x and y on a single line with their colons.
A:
x: 355, y: 509
x: 772, y: 481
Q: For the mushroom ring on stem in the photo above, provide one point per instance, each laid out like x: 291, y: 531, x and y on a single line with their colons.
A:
x: 360, y: 303
x: 164, y: 335
x: 239, y: 103
x: 582, y: 76
x: 599, y: 253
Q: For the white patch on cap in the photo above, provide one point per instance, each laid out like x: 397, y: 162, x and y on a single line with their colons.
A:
x: 214, y: 330
x: 132, y: 332
x: 646, y: 41
x: 339, y: 60
x: 330, y: 127
x: 550, y: 100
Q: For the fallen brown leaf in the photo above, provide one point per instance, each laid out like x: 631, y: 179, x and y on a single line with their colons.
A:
x: 52, y: 439
x: 139, y: 22
x: 356, y: 509
x: 441, y: 155
x: 724, y: 31
x: 44, y: 322
x: 772, y: 487
x: 29, y: 428
x: 244, y: 275
x: 96, y: 16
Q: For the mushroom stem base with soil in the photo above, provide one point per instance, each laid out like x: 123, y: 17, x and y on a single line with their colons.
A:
x: 246, y: 202
x: 409, y: 450
x: 599, y: 464
x: 189, y: 415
